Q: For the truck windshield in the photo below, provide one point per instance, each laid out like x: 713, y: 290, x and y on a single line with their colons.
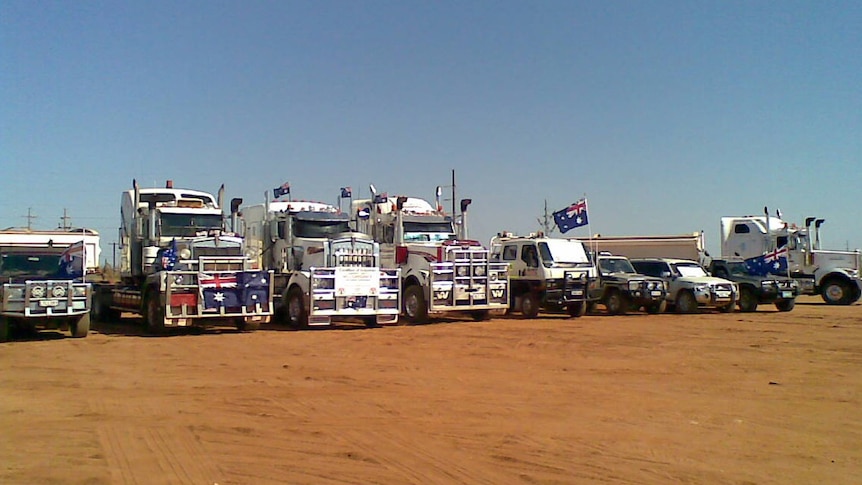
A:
x: 615, y: 265
x: 428, y: 231
x: 737, y: 268
x: 30, y: 264
x: 562, y: 252
x: 319, y: 228
x: 188, y: 225
x: 690, y: 269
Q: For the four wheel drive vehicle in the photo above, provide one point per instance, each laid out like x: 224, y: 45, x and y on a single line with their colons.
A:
x: 545, y: 273
x: 689, y: 285
x: 34, y: 296
x: 755, y: 289
x: 620, y: 288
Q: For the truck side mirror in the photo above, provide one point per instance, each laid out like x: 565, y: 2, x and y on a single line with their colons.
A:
x: 665, y: 274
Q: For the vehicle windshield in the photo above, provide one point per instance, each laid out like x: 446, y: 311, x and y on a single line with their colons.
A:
x: 189, y: 225
x: 30, y: 264
x: 615, y: 265
x: 562, y: 252
x: 319, y: 228
x: 737, y: 269
x: 428, y: 231
x: 690, y: 269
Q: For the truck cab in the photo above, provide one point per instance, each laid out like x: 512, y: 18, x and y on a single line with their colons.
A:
x: 545, y: 273
x: 43, y: 281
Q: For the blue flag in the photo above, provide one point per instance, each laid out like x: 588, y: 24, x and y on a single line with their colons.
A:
x: 254, y: 288
x: 346, y: 193
x: 72, y: 261
x: 284, y: 189
x: 170, y: 256
x: 573, y: 216
x: 774, y: 262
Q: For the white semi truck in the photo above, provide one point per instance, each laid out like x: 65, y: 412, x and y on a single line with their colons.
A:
x: 180, y: 266
x: 43, y: 279
x: 834, y: 275
x: 323, y: 270
x: 441, y: 271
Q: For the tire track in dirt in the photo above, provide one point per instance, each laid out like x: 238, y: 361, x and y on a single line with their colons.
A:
x: 145, y: 455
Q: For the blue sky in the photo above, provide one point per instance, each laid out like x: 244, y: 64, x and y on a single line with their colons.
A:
x: 667, y: 115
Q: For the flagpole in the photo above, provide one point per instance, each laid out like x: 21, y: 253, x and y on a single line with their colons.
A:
x: 594, y: 249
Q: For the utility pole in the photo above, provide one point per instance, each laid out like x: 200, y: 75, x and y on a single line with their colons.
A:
x: 545, y: 221
x: 30, y: 218
x: 65, y: 224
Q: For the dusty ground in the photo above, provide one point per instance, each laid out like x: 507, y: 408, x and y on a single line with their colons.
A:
x: 741, y: 398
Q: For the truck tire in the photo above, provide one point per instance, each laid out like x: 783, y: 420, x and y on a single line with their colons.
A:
x: 530, y: 304
x: 837, y: 292
x: 615, y: 302
x: 100, y: 312
x: 415, y: 306
x: 747, y: 300
x: 480, y: 315
x: 577, y: 310
x: 685, y: 302
x: 785, y: 305
x: 657, y: 307
x: 154, y: 315
x: 245, y: 326
x: 5, y: 330
x: 297, y: 315
x: 79, y: 327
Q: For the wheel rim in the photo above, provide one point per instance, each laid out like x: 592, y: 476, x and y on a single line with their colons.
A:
x: 294, y: 308
x: 527, y: 305
x: 411, y: 304
x: 614, y: 303
x: 835, y: 291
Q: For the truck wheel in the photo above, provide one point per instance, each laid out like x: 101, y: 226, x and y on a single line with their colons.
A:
x: 616, y: 302
x: 101, y: 312
x: 4, y: 329
x: 785, y: 305
x: 576, y: 310
x: 727, y: 308
x: 747, y: 300
x: 480, y: 315
x: 530, y: 305
x: 245, y: 326
x: 657, y: 307
x: 297, y: 316
x: 686, y: 303
x: 415, y: 306
x: 154, y: 315
x: 79, y: 327
x: 837, y: 292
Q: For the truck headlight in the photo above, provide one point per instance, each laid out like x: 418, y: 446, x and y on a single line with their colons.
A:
x: 15, y: 293
x: 37, y: 291
x: 634, y: 285
x: 479, y: 270
x: 58, y: 291
x: 463, y: 271
x: 701, y: 288
x: 79, y: 291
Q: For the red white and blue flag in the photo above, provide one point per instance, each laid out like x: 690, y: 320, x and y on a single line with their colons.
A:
x: 219, y: 290
x: 772, y: 262
x: 284, y: 189
x: 72, y: 261
x: 572, y: 216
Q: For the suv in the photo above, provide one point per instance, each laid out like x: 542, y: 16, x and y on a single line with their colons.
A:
x: 689, y: 286
x: 621, y: 288
x: 755, y: 289
x: 545, y: 273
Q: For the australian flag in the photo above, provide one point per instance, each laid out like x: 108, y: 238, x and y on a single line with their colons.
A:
x: 170, y: 256
x: 346, y: 193
x: 254, y: 288
x: 219, y: 290
x: 572, y: 216
x: 284, y: 189
x: 72, y: 261
x: 381, y: 198
x: 774, y: 262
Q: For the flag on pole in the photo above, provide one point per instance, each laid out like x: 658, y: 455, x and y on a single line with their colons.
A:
x: 572, y: 216
x: 346, y: 193
x: 284, y: 189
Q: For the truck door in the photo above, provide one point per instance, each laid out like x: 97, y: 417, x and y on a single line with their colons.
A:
x: 530, y: 260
